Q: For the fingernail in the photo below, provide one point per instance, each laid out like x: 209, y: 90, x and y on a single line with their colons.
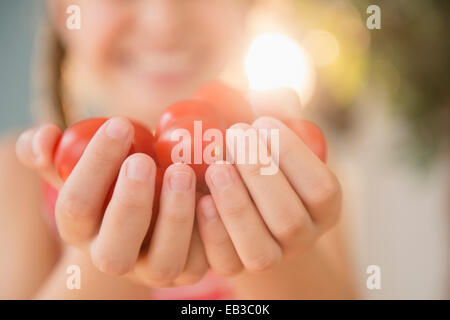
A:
x: 180, y: 181
x: 138, y: 169
x: 221, y: 177
x: 117, y: 128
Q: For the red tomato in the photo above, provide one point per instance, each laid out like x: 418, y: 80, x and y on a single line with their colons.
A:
x: 188, y: 108
x: 228, y: 101
x: 192, y: 142
x: 72, y: 144
x: 143, y: 141
x: 76, y: 138
x: 311, y: 135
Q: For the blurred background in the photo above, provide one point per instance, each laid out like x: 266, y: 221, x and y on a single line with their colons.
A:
x: 381, y: 96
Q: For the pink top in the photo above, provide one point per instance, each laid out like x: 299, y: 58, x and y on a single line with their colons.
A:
x: 211, y: 287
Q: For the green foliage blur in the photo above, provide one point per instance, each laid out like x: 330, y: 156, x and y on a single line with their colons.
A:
x: 415, y: 40
x: 408, y: 58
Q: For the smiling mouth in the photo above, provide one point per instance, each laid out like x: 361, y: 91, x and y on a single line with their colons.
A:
x: 162, y: 70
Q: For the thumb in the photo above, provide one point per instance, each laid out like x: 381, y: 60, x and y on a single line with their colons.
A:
x: 34, y: 149
x: 281, y: 103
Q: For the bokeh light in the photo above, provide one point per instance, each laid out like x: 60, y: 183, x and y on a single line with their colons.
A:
x: 323, y: 47
x: 277, y: 61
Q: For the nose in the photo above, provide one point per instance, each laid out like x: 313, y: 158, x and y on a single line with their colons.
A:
x: 162, y: 22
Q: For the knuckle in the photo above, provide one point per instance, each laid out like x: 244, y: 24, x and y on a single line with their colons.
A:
x: 178, y: 218
x: 75, y: 220
x: 253, y: 170
x: 219, y: 239
x: 327, y: 191
x: 292, y: 227
x: 163, y: 274
x: 229, y: 270
x: 263, y: 262
x: 70, y: 206
x: 288, y: 153
x: 235, y: 209
x: 331, y: 219
x: 191, y: 277
x: 102, y: 155
x: 125, y: 218
x: 108, y: 263
x: 129, y: 202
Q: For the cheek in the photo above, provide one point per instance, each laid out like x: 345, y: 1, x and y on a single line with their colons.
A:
x: 101, y: 23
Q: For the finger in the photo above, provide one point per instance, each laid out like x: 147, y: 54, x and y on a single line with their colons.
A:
x: 171, y: 239
x: 279, y: 205
x: 81, y: 201
x: 316, y: 185
x: 222, y: 256
x: 24, y: 149
x: 35, y: 148
x: 127, y: 218
x: 253, y: 242
x: 196, y: 264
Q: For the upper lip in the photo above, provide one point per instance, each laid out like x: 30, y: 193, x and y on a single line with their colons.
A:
x: 162, y: 62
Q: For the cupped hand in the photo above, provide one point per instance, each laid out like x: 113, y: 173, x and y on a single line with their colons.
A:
x: 253, y: 221
x: 112, y: 235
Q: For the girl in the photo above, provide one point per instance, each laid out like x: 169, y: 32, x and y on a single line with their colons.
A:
x: 129, y: 60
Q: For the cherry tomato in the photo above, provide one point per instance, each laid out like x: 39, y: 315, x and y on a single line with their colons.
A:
x: 228, y: 101
x: 188, y: 108
x: 143, y: 141
x: 72, y: 144
x: 191, y: 144
x: 311, y: 135
x: 75, y: 139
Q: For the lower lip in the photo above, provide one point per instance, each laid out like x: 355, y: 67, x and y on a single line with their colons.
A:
x: 166, y: 80
x: 161, y: 80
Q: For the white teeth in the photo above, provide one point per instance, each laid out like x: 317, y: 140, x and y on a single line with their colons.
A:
x: 162, y: 63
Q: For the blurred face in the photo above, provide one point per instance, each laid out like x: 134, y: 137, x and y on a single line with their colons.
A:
x: 145, y: 54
